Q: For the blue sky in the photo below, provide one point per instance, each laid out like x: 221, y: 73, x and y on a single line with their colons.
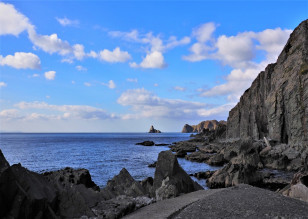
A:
x: 102, y: 66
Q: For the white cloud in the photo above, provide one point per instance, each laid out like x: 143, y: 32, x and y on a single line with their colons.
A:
x: 204, y: 32
x: 81, y: 68
x: 155, y: 85
x: 21, y: 60
x: 35, y: 75
x: 132, y: 80
x: 145, y: 104
x: 11, y: 21
x: 178, y: 88
x: 2, y: 84
x: 67, y: 22
x: 114, y: 56
x: 238, y: 52
x: 110, y: 84
x: 50, y: 43
x: 152, y: 60
x: 69, y: 111
x: 50, y: 75
x: 87, y: 84
x: 9, y: 114
x: 156, y: 47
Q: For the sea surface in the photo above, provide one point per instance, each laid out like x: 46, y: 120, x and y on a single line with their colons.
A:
x: 103, y: 154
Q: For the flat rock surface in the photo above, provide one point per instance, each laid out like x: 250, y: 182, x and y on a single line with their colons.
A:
x: 242, y: 201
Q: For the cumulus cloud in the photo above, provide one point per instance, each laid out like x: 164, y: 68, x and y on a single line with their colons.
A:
x: 110, y: 84
x: 67, y: 22
x: 156, y: 47
x: 238, y: 52
x: 114, y: 56
x: 50, y: 75
x: 146, y: 104
x: 152, y: 60
x: 21, y: 60
x: 68, y: 111
x: 9, y: 114
x: 11, y: 21
x: 2, y: 84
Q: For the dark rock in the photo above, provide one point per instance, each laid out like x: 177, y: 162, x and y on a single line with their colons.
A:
x: 180, y: 154
x: 198, y: 156
x: 170, y: 179
x: 3, y: 163
x: 275, y: 106
x: 216, y: 160
x: 152, y: 164
x: 153, y: 130
x: 188, y: 129
x: 203, y: 175
x: 69, y: 176
x: 183, y: 146
x: 161, y: 144
x: 25, y: 194
x: 147, y: 184
x: 146, y: 143
x: 123, y: 184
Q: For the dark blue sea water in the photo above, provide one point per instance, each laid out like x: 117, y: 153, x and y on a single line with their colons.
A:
x: 103, y: 154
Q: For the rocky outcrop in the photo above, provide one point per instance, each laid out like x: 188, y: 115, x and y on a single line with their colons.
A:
x: 146, y: 143
x: 209, y: 124
x: 153, y: 130
x: 276, y: 104
x: 170, y: 179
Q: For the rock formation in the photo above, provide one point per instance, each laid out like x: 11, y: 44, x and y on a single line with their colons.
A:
x: 170, y: 179
x: 209, y: 124
x: 276, y: 104
x: 153, y: 130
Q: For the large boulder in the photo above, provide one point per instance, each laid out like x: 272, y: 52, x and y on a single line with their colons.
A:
x: 183, y: 146
x: 170, y: 180
x: 123, y: 184
x: 25, y: 194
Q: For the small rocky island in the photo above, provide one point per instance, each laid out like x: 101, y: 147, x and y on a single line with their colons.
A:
x: 153, y: 130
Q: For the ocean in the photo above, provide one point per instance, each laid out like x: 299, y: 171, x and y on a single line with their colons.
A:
x: 103, y: 154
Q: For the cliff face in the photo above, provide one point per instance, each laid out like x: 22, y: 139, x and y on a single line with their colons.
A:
x: 276, y: 104
x: 209, y: 124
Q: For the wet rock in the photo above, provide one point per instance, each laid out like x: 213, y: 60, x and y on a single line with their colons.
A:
x: 152, y: 164
x: 170, y: 179
x: 203, y: 175
x: 161, y: 144
x: 146, y: 143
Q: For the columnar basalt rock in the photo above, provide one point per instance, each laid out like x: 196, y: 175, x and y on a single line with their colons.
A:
x: 276, y: 104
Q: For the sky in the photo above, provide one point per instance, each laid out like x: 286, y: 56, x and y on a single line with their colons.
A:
x: 122, y: 66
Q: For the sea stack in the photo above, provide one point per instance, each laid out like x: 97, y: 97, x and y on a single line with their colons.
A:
x: 153, y: 130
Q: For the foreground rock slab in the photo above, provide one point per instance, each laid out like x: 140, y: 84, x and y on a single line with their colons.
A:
x: 242, y: 201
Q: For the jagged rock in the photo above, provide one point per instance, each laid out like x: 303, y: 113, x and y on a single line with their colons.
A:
x: 152, y: 164
x: 25, y: 194
x: 147, y: 184
x: 123, y: 184
x: 69, y: 176
x: 183, y: 146
x: 170, y: 179
x: 146, y: 143
x: 203, y: 175
x: 216, y: 160
x: 3, y: 163
x: 298, y: 187
x: 209, y: 124
x: 276, y: 104
x: 153, y: 130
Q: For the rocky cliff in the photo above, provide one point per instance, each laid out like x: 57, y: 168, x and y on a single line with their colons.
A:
x: 276, y: 104
x: 153, y: 130
x: 209, y: 124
